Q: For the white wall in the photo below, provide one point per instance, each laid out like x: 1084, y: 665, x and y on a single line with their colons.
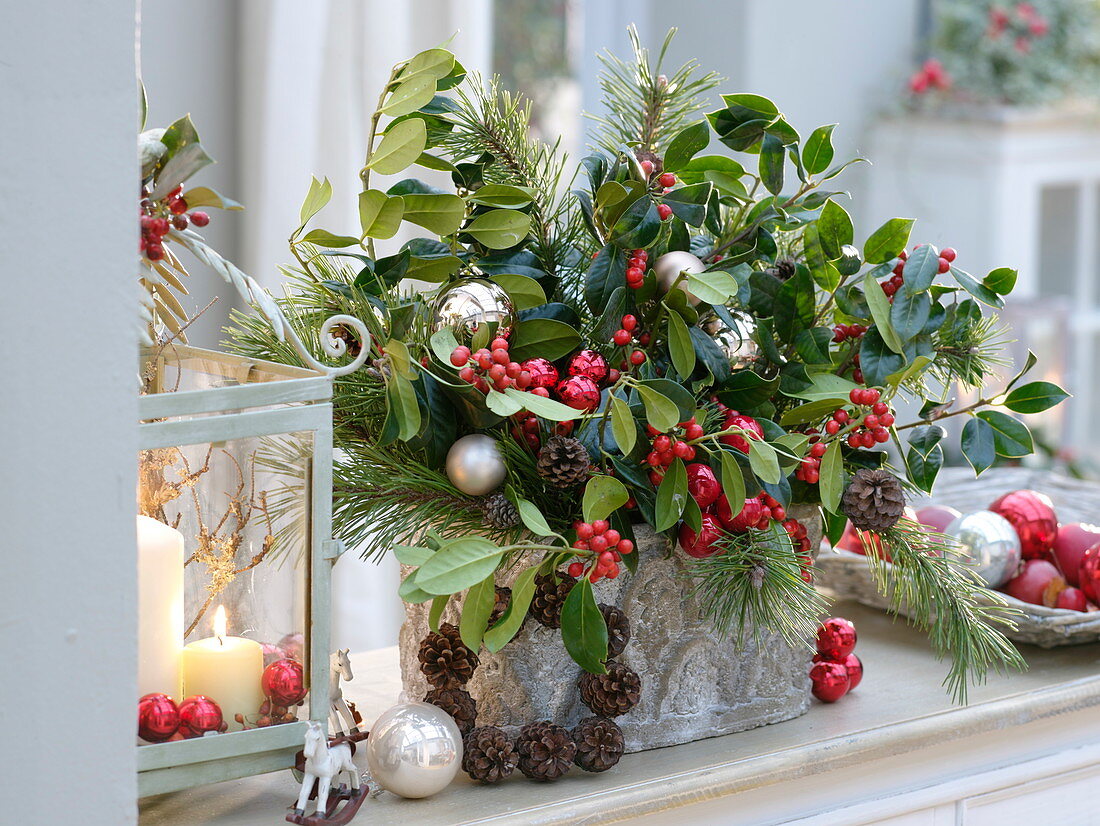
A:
x: 68, y: 247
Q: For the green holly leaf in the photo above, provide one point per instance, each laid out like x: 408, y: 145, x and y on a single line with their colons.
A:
x: 672, y: 496
x: 1035, y: 397
x: 583, y: 629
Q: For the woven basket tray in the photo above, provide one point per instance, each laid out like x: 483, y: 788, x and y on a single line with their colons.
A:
x: 848, y: 575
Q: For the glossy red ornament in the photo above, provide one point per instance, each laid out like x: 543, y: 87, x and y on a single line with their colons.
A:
x: 588, y: 363
x: 855, y: 670
x: 1069, y: 548
x: 284, y: 682
x: 198, y: 715
x: 579, y: 392
x: 158, y: 717
x: 702, y: 544
x: 1038, y: 583
x: 829, y: 681
x: 543, y: 372
x: 836, y: 638
x: 1032, y: 515
x: 1072, y: 599
x: 736, y: 440
x: 703, y: 484
x: 1088, y: 574
x: 749, y: 517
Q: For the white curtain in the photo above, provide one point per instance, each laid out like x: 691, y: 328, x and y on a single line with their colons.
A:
x: 310, y: 76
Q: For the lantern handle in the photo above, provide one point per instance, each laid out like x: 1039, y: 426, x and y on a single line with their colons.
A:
x: 259, y: 298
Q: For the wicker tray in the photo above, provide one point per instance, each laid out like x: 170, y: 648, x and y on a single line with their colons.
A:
x: 848, y: 576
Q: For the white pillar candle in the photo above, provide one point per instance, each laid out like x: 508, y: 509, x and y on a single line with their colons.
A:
x: 160, y: 607
x: 226, y: 669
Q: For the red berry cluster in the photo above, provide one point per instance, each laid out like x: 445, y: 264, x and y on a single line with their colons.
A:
x: 606, y: 546
x: 635, y: 269
x: 734, y: 419
x: 872, y: 428
x: 158, y: 218
x: 623, y: 337
x: 800, y: 538
x: 527, y: 431
x: 490, y: 367
x: 809, y: 470
x: 843, y: 332
x: 895, y: 282
x: 665, y: 179
x: 670, y: 446
x: 836, y: 670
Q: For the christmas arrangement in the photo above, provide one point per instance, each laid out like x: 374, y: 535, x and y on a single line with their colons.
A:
x: 673, y: 339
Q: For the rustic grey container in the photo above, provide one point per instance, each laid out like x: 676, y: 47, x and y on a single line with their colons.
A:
x: 696, y: 683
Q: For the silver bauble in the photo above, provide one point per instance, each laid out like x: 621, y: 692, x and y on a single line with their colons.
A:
x: 474, y: 465
x: 668, y: 267
x: 414, y: 750
x: 464, y: 306
x: 988, y: 545
x: 736, y: 342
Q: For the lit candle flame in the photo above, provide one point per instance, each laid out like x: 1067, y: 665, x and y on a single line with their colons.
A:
x: 220, y: 630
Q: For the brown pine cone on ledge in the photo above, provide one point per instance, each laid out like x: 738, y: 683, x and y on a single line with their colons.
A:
x: 563, y: 461
x: 445, y: 660
x: 618, y: 628
x: 600, y: 744
x: 613, y: 693
x: 874, y: 500
x: 546, y: 750
x: 488, y: 754
x: 550, y: 593
x: 458, y: 703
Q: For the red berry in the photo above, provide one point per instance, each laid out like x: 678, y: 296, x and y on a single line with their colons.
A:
x: 880, y: 408
x: 664, y: 211
x: 832, y: 427
x: 666, y: 457
x: 647, y: 168
x: 467, y: 374
x: 200, y: 219
x: 584, y: 530
x: 944, y: 265
x: 681, y: 449
x: 597, y: 543
x: 635, y: 274
x: 460, y: 356
x: 541, y: 391
x: 886, y: 419
x: 870, y: 420
x: 499, y: 343
x: 178, y: 206
x: 899, y: 268
x: 881, y: 434
x: 818, y: 450
x: 625, y: 546
x: 637, y: 357
x: 629, y: 322
x: 612, y: 536
x: 600, y: 525
x: 840, y: 416
x: 662, y: 443
x: 867, y: 438
x: 575, y: 569
x: 779, y: 513
x: 889, y: 288
x: 653, y: 458
x: 872, y: 396
x: 644, y: 339
x: 694, y: 431
x: 160, y: 226
x: 667, y: 179
x: 948, y: 254
x: 857, y: 375
x: 856, y: 396
x: 179, y: 222
x: 500, y: 356
x: 854, y: 440
x: 621, y: 338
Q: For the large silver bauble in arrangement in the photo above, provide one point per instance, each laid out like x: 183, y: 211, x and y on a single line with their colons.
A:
x: 736, y: 342
x: 466, y: 305
x: 474, y: 465
x: 414, y: 750
x: 669, y: 266
x: 988, y: 545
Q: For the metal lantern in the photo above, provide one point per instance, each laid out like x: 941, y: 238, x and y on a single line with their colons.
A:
x: 235, y: 555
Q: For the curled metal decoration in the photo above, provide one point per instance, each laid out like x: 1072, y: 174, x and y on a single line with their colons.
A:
x: 258, y: 297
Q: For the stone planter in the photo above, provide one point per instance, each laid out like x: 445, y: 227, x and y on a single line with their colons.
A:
x: 696, y: 683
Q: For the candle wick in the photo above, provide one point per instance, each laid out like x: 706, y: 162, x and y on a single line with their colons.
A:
x: 221, y: 640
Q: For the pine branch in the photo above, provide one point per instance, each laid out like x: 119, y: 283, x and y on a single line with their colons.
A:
x: 962, y: 617
x: 969, y: 349
x: 755, y: 582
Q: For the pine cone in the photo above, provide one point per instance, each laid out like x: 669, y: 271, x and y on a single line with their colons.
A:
x: 873, y: 500
x: 599, y: 742
x: 784, y: 269
x: 488, y: 754
x: 613, y: 693
x: 458, y: 703
x: 618, y: 628
x: 504, y: 599
x: 499, y: 512
x: 550, y: 593
x: 563, y: 461
x: 445, y: 659
x: 546, y: 750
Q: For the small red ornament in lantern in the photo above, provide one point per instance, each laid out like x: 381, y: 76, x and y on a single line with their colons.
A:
x: 284, y: 682
x: 703, y: 484
x: 836, y: 638
x: 700, y: 545
x: 749, y: 516
x: 1032, y: 515
x: 829, y: 681
x: 158, y: 717
x: 543, y: 372
x: 589, y: 363
x: 579, y: 392
x: 198, y: 715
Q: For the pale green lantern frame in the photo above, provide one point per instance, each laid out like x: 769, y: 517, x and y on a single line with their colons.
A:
x: 300, y: 402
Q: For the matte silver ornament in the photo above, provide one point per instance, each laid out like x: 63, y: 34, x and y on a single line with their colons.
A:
x: 474, y: 306
x: 736, y: 342
x: 669, y: 266
x: 474, y: 464
x: 988, y: 545
x: 414, y: 750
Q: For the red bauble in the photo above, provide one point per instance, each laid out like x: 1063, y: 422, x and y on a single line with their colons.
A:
x: 1088, y: 574
x: 284, y: 682
x: 589, y: 363
x: 702, y: 544
x: 1032, y: 515
x: 158, y: 717
x: 1072, y: 599
x: 749, y: 516
x: 1070, y: 545
x: 937, y: 517
x: 836, y: 638
x: 1038, y: 583
x: 543, y: 372
x: 198, y: 715
x: 703, y: 484
x: 736, y: 440
x: 579, y: 392
x: 830, y: 681
x: 855, y: 670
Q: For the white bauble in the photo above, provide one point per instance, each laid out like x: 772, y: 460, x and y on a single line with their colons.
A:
x: 414, y: 750
x: 669, y: 266
x: 474, y: 465
x: 988, y: 545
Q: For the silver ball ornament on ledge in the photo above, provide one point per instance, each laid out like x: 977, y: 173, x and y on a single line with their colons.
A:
x: 736, y: 342
x: 467, y: 304
x: 414, y: 750
x: 988, y: 545
x: 474, y: 465
x: 669, y: 266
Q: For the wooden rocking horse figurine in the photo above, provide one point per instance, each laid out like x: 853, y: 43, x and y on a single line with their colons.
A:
x: 324, y: 764
x: 341, y: 717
